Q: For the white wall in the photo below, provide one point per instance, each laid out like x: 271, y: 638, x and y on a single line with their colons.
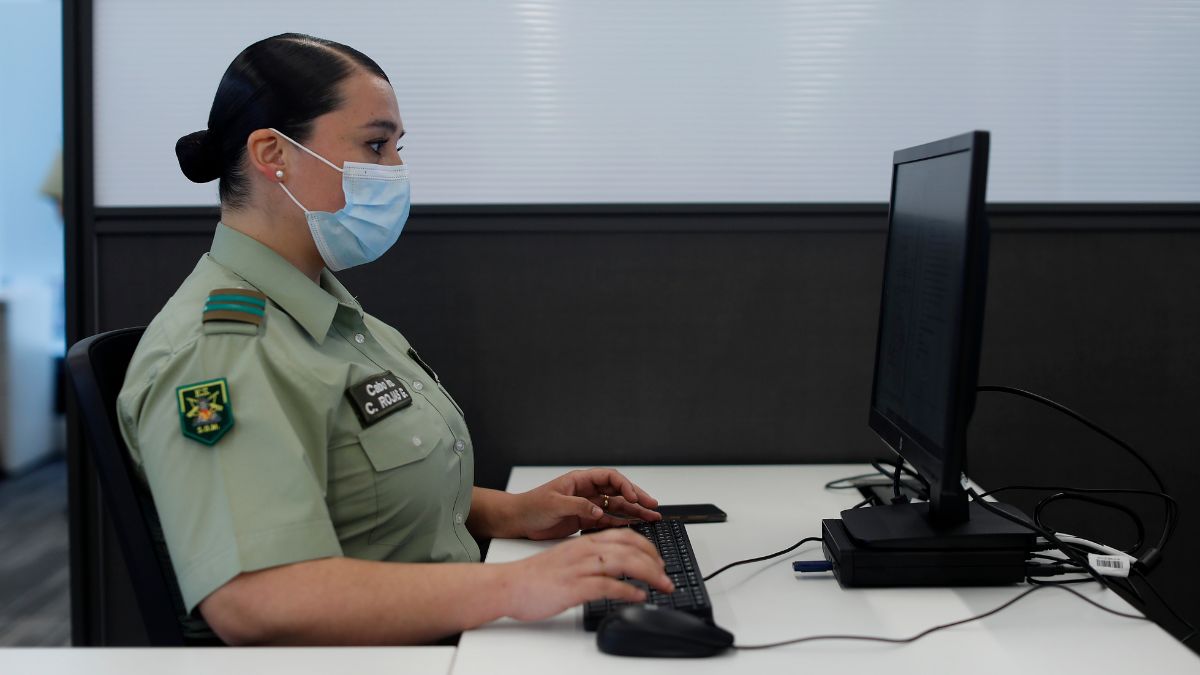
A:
x: 31, y: 243
x: 530, y: 101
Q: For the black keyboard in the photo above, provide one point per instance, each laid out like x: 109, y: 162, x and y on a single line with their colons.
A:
x: 671, y: 539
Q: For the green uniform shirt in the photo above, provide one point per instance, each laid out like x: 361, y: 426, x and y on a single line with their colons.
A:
x: 298, y: 470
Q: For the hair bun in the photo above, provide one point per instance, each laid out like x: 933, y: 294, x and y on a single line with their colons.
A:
x: 199, y: 156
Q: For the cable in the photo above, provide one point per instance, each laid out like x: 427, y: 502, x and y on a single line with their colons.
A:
x: 849, y: 481
x: 1050, y: 536
x: 1101, y: 548
x: 1083, y: 420
x: 1170, y: 609
x: 927, y: 631
x: 789, y: 549
x: 1055, y: 570
x: 1062, y: 496
x: 1150, y: 558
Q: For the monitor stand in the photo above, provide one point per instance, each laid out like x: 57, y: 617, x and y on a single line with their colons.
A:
x: 898, y: 545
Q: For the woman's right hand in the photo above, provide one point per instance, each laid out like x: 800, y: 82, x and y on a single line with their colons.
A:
x: 582, y: 569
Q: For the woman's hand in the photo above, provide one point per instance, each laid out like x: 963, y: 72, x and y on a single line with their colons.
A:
x: 583, y: 569
x: 579, y: 500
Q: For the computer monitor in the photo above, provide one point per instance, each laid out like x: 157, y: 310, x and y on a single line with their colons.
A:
x: 926, y: 366
x: 931, y: 314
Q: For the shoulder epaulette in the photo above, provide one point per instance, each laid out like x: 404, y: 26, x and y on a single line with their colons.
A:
x: 236, y: 304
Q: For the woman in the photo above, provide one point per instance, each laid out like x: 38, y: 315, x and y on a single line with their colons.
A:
x: 312, y: 476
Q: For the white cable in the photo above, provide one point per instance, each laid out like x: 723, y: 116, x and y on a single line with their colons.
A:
x: 1080, y: 541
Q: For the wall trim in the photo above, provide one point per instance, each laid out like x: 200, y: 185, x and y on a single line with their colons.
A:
x: 689, y: 218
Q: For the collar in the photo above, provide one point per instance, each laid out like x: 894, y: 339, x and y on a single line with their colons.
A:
x: 312, y: 306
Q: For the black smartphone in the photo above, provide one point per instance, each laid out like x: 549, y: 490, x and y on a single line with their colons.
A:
x: 692, y: 513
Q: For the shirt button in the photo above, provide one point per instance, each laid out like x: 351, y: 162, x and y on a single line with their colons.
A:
x: 459, y: 445
x: 417, y: 385
x: 458, y: 518
x: 360, y: 338
x: 417, y: 441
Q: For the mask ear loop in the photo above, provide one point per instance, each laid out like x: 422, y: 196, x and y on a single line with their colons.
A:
x: 289, y: 138
x: 293, y: 198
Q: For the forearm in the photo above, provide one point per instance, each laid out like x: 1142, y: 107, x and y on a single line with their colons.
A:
x: 349, y: 601
x: 493, y: 515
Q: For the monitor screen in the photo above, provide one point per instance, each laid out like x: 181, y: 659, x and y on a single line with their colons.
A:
x: 931, y: 313
x: 916, y: 367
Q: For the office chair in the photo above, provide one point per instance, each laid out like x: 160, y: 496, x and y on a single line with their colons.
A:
x: 96, y: 368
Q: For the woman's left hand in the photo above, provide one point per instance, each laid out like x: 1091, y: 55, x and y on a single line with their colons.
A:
x: 580, y: 500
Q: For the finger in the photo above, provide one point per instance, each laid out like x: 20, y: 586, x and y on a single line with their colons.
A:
x: 627, y: 537
x: 615, y: 561
x: 613, y: 480
x: 577, y: 506
x: 621, y: 506
x: 620, y: 483
x: 594, y: 588
x: 608, y: 521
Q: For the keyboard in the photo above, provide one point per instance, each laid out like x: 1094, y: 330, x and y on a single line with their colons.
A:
x: 671, y: 539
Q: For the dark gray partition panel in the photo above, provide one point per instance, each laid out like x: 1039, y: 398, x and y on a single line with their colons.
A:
x: 632, y: 335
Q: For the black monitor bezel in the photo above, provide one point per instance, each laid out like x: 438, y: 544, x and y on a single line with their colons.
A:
x: 948, y: 499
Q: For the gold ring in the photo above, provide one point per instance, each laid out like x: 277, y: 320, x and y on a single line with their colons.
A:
x: 605, y: 504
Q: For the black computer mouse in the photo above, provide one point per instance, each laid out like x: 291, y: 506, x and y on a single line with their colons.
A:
x: 649, y: 630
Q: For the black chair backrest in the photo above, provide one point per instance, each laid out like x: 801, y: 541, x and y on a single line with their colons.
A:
x: 96, y: 368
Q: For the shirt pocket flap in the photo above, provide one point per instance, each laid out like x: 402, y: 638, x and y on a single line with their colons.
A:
x: 391, y: 443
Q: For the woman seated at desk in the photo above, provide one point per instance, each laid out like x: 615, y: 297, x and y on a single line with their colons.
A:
x: 313, y: 478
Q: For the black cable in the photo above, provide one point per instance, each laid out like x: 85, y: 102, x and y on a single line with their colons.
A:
x: 1150, y: 559
x: 927, y: 631
x: 1039, y: 582
x: 1192, y: 629
x: 1054, y: 570
x: 1116, y: 506
x: 863, y: 503
x: 1083, y: 420
x: 850, y: 482
x: 897, y: 498
x: 789, y: 549
x: 1050, y: 536
x: 1074, y: 554
x: 849, y: 485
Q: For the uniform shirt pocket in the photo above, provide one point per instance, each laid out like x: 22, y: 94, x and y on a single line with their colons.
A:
x: 391, y: 444
x: 410, y: 453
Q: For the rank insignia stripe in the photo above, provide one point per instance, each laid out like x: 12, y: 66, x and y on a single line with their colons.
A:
x: 235, y: 304
x: 377, y: 397
x: 205, y: 410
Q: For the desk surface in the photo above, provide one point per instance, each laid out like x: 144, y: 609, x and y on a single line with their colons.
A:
x: 772, y: 507
x: 229, y: 660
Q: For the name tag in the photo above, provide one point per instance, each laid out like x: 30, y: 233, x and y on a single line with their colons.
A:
x: 376, y: 398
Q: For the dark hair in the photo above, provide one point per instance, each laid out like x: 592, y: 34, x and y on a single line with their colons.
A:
x: 284, y: 82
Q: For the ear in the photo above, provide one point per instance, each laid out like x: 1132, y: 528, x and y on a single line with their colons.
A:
x: 264, y: 153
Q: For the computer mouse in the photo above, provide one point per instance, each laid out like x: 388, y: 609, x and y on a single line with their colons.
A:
x: 650, y: 630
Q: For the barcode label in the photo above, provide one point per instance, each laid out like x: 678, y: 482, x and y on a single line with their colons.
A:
x: 1109, y: 565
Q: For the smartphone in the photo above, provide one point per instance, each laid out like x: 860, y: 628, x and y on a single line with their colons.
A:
x: 692, y: 513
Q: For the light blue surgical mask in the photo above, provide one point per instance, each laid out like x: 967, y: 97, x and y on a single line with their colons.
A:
x: 377, y: 203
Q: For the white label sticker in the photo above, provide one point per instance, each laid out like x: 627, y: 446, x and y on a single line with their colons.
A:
x: 1109, y: 565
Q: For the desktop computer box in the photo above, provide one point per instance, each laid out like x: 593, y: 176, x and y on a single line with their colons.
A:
x: 895, y: 545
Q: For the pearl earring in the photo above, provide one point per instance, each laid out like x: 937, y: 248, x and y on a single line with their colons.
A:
x: 279, y: 174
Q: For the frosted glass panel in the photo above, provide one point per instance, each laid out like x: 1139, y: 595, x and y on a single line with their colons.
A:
x: 509, y: 101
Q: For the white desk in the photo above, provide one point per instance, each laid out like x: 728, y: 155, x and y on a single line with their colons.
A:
x: 772, y: 507
x: 229, y: 661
